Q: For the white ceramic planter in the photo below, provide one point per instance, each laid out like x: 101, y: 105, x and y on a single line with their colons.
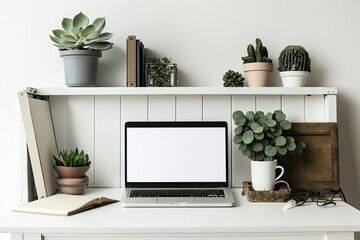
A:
x: 293, y: 78
x: 263, y: 175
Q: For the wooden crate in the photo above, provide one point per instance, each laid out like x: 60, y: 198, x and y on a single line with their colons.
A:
x: 318, y: 167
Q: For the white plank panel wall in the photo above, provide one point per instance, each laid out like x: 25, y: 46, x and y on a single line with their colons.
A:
x: 79, y: 128
x: 189, y: 108
x: 107, y: 141
x: 95, y: 123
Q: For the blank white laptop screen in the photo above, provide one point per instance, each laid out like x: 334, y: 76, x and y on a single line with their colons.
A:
x: 169, y: 154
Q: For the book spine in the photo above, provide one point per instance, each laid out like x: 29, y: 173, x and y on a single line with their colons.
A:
x: 140, y: 64
x: 131, y: 61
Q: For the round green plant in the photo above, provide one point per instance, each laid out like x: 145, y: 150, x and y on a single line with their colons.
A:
x: 158, y: 72
x: 261, y: 137
x: 233, y: 79
x: 294, y: 58
x: 77, y: 33
x: 74, y: 158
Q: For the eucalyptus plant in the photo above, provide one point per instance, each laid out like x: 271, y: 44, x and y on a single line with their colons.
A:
x: 262, y: 137
x: 77, y: 33
x: 158, y: 72
x: 74, y: 158
x: 233, y: 79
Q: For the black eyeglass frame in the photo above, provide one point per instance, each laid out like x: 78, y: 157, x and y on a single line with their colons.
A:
x: 316, y: 196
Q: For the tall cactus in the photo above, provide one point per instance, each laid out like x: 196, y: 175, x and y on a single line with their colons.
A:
x: 258, y: 54
x: 294, y: 58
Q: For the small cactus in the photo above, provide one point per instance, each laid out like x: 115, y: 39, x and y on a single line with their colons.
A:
x: 233, y: 79
x: 258, y: 54
x: 294, y: 58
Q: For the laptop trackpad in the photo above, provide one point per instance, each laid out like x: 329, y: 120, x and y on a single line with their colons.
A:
x: 176, y: 200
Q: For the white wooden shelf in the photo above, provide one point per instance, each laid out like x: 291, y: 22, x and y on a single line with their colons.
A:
x: 90, y: 91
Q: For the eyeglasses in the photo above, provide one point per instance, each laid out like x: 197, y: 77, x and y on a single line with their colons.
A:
x: 323, y: 198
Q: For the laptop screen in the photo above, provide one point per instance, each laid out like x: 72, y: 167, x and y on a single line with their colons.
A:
x: 176, y: 154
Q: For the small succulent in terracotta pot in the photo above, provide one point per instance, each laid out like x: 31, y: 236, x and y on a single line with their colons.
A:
x: 71, y: 168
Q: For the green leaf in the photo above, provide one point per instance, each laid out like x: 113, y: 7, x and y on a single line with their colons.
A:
x: 93, y: 37
x: 68, y: 38
x: 242, y: 147
x: 259, y: 156
x: 302, y: 144
x: 270, y: 123
x: 279, y: 116
x: 269, y: 115
x: 246, y: 152
x: 239, y: 118
x: 286, y: 125
x: 56, y: 40
x: 277, y: 131
x: 104, y: 37
x: 76, y: 32
x: 281, y: 150
x: 270, y: 151
x: 290, y: 146
x: 267, y: 158
x: 238, y: 130
x: 250, y: 116
x: 80, y: 20
x: 99, y: 24
x: 259, y: 136
x: 67, y: 25
x: 101, y: 46
x: 248, y: 136
x: 58, y: 32
x: 237, y: 139
x: 87, y: 31
x: 257, y: 128
x: 280, y: 141
x: 258, y: 147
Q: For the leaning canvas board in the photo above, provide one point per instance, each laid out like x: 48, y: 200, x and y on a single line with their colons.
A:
x: 41, y: 142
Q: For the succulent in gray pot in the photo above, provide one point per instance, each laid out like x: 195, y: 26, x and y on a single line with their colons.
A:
x: 257, y: 65
x: 294, y: 66
x: 262, y: 137
x: 71, y: 167
x: 81, y: 45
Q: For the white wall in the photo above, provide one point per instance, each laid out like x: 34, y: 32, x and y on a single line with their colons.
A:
x: 204, y: 37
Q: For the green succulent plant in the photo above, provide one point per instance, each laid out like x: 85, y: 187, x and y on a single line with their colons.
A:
x: 158, y: 72
x: 261, y: 136
x: 294, y: 58
x: 233, y: 79
x: 74, y: 158
x: 78, y: 34
x: 257, y: 54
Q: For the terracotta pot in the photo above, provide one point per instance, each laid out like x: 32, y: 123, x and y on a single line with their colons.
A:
x: 73, y: 186
x: 71, y: 172
x: 257, y: 74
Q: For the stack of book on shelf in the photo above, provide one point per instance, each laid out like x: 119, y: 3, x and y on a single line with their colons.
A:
x: 135, y: 62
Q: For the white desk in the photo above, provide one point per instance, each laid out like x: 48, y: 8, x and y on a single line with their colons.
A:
x: 255, y: 221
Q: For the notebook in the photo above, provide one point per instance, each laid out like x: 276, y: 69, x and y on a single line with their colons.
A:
x: 176, y: 164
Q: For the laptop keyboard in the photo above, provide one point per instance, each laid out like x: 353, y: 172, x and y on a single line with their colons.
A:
x: 177, y: 193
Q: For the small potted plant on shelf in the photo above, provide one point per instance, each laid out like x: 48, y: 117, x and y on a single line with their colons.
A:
x: 160, y: 72
x: 71, y: 168
x: 233, y: 79
x: 80, y: 45
x: 261, y: 137
x: 257, y: 65
x: 294, y: 66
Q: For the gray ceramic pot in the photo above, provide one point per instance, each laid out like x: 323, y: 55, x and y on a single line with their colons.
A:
x: 80, y: 67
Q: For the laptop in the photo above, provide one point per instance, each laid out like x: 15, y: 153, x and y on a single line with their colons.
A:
x: 176, y: 164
